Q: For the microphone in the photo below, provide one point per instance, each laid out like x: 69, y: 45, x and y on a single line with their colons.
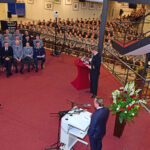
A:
x: 85, y: 105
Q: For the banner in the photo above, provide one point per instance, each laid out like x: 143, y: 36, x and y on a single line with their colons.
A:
x: 7, y: 1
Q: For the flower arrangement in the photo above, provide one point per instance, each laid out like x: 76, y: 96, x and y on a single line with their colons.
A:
x: 126, y: 102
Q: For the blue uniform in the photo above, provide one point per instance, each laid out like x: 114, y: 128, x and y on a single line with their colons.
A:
x: 36, y: 53
x: 34, y: 43
x: 18, y: 53
x: 27, y: 58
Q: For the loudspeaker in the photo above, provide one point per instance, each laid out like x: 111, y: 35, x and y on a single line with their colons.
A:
x: 4, y: 25
x: 9, y: 14
x: 121, y: 12
x: 133, y: 6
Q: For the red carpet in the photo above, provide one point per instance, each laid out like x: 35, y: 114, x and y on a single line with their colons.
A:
x: 25, y: 122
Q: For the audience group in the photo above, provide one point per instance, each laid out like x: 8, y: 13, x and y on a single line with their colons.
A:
x: 25, y: 45
x: 19, y: 49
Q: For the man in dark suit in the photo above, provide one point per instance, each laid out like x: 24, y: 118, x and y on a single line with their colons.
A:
x: 27, y: 39
x: 97, y: 127
x: 7, y: 56
x: 94, y: 72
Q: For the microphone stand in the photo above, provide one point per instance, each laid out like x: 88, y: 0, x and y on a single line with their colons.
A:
x: 74, y: 103
x: 57, y: 144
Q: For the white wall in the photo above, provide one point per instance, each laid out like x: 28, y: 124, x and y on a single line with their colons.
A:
x: 114, y: 9
x: 37, y: 10
x: 3, y: 11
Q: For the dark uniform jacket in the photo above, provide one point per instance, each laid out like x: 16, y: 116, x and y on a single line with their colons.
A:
x: 38, y: 52
x: 97, y: 127
x: 8, y: 53
x: 95, y: 63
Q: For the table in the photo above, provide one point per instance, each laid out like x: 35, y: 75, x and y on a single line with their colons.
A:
x: 74, y: 128
x: 82, y: 80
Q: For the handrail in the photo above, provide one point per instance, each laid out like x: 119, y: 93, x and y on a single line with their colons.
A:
x: 126, y: 65
x: 146, y: 32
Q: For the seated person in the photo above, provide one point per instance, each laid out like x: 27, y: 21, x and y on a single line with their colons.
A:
x: 1, y: 40
x: 6, y: 39
x: 27, y: 39
x: 8, y: 34
x: 27, y: 57
x: 26, y: 33
x: 17, y: 33
x: 16, y: 38
x: 37, y: 39
x: 7, y: 57
x: 39, y: 54
x: 17, y: 55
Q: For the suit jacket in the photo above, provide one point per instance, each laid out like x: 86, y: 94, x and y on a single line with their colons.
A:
x: 25, y: 41
x: 8, y: 53
x: 95, y: 63
x: 97, y: 127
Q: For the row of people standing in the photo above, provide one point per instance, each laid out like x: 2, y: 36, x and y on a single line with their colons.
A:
x: 21, y: 51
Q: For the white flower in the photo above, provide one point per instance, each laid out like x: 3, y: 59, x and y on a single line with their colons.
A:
x: 132, y: 92
x: 133, y: 114
x: 142, y: 101
x: 127, y: 106
x: 117, y: 108
x: 126, y: 87
x: 125, y: 112
x: 138, y: 90
x: 131, y: 86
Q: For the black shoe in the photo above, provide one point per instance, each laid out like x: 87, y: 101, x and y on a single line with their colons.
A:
x: 41, y: 66
x: 28, y: 70
x: 16, y: 71
x: 21, y: 71
x: 93, y: 96
x: 88, y: 92
x: 7, y: 75
x: 36, y: 70
x: 33, y: 67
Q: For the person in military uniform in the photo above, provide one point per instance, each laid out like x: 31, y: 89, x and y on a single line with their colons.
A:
x: 17, y: 55
x: 27, y: 39
x: 6, y: 39
x: 39, y: 55
x: 7, y: 57
x: 17, y: 33
x: 37, y: 39
x: 16, y: 38
x: 10, y: 37
x: 27, y: 57
x: 94, y: 72
x: 1, y: 40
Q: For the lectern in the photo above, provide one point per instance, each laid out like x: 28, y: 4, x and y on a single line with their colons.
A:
x: 82, y: 80
x: 74, y: 127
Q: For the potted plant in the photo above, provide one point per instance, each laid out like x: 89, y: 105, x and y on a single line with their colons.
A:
x: 126, y: 105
